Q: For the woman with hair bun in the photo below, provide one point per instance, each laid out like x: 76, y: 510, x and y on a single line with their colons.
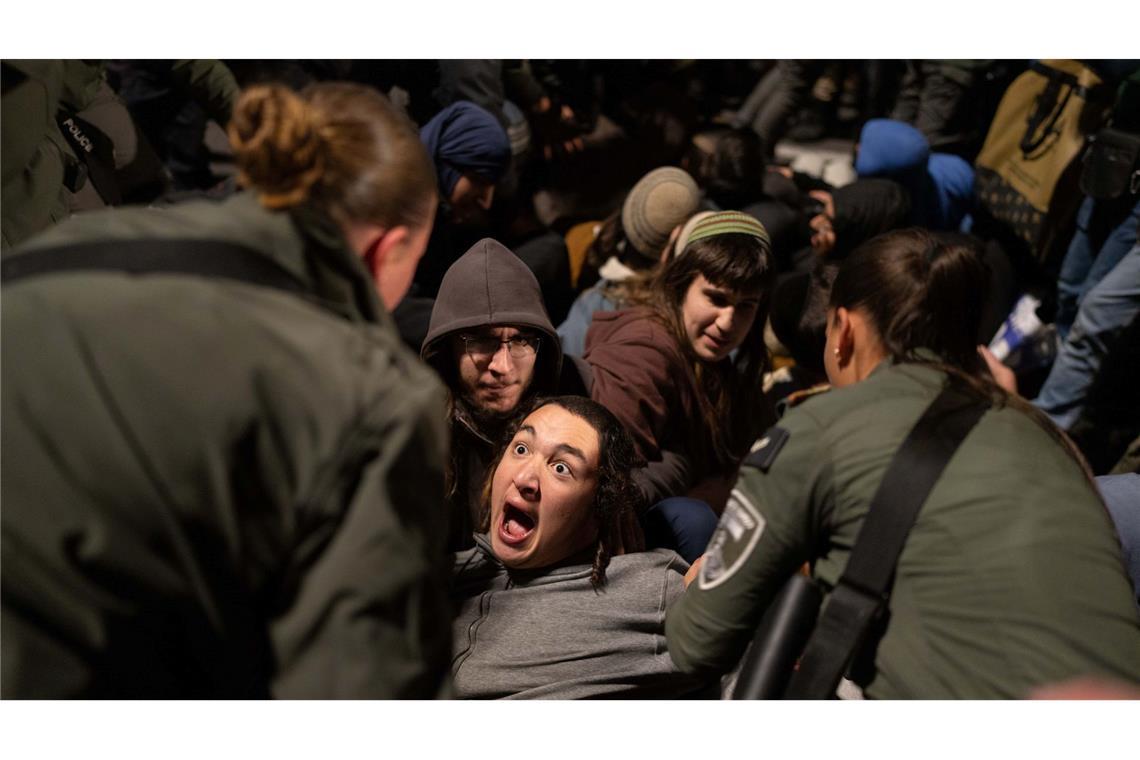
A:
x: 341, y: 157
x: 222, y: 471
x: 1010, y: 578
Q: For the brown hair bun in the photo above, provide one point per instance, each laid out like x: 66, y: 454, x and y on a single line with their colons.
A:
x: 277, y: 144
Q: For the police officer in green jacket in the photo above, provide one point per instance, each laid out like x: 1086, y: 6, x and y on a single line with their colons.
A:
x: 70, y: 144
x: 1012, y: 575
x: 222, y: 471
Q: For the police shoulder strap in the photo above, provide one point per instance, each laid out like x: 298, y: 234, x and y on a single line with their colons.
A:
x: 205, y: 258
x: 864, y: 588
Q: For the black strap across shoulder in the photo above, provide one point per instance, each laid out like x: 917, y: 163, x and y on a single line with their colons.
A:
x: 861, y: 594
x: 205, y: 258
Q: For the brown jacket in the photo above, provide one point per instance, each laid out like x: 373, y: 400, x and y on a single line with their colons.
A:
x: 641, y: 375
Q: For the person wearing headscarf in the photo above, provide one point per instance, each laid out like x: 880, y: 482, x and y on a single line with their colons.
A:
x: 471, y: 152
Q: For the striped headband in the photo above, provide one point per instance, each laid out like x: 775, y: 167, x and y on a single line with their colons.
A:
x: 728, y: 222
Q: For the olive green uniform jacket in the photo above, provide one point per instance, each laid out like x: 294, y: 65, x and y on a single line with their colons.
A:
x: 1011, y: 578
x: 213, y: 488
x: 43, y: 178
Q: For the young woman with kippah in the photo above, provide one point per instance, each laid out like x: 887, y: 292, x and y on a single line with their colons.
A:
x: 222, y: 471
x: 682, y: 367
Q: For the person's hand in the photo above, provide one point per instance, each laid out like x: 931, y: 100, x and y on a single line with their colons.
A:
x: 693, y: 570
x: 574, y: 145
x: 825, y: 198
x: 1003, y: 375
x: 568, y: 148
x: 822, y: 224
x: 553, y: 126
x: 822, y: 234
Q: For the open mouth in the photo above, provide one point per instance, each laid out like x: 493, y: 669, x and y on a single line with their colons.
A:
x: 516, y: 525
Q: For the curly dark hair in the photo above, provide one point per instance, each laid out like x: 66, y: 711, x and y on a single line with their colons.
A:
x: 617, y: 499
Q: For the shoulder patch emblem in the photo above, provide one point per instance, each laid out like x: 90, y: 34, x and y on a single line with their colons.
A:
x: 764, y: 451
x: 732, y: 543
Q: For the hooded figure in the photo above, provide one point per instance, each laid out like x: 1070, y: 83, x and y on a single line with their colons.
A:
x: 941, y: 185
x: 471, y: 152
x: 489, y: 286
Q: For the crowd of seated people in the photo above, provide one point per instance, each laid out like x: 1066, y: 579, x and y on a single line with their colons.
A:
x: 541, y: 379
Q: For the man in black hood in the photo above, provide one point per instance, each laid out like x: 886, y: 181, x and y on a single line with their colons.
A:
x: 493, y: 344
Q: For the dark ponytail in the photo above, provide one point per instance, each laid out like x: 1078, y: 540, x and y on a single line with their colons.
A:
x: 923, y: 290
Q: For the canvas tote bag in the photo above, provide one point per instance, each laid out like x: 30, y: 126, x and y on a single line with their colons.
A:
x: 1028, y: 170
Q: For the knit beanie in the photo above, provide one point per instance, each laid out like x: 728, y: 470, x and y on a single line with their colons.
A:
x: 659, y: 202
x: 687, y: 230
x: 727, y: 222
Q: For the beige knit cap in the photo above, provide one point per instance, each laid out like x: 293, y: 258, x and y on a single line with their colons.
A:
x: 660, y: 201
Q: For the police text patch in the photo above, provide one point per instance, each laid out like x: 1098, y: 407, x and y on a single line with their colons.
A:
x: 735, y: 537
x: 764, y: 451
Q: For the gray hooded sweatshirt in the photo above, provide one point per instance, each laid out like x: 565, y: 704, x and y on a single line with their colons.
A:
x: 549, y: 634
x: 488, y: 285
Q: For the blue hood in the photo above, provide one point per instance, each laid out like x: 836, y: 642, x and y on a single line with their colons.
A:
x: 941, y: 185
x: 889, y: 148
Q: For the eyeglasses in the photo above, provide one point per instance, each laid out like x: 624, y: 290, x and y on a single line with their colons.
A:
x: 481, y: 348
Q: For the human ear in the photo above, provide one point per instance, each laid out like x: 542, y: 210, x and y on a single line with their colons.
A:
x: 387, y: 253
x: 845, y: 336
x: 388, y: 248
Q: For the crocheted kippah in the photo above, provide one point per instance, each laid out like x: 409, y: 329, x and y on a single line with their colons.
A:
x: 726, y: 222
x: 687, y: 230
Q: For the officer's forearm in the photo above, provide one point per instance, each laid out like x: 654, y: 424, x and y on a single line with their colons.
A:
x: 697, y: 647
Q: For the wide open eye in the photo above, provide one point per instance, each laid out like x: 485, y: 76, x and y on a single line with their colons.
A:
x: 563, y: 470
x: 520, y: 449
